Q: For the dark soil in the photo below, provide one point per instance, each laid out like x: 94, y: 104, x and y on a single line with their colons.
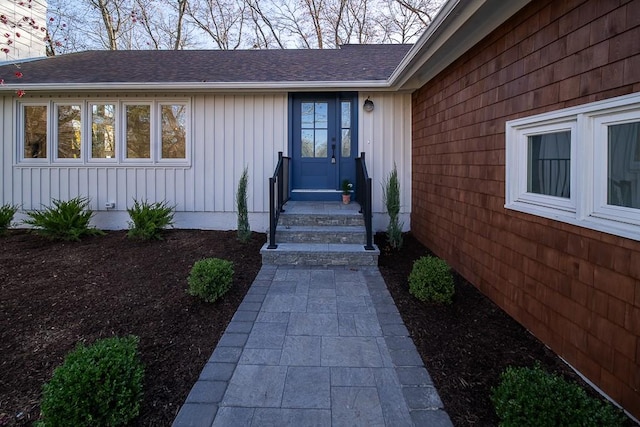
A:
x: 54, y: 295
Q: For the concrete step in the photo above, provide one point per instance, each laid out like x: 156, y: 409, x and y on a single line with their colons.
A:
x: 323, y: 254
x: 346, y: 218
x: 321, y: 234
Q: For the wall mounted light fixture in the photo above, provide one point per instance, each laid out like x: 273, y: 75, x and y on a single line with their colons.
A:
x: 368, y: 105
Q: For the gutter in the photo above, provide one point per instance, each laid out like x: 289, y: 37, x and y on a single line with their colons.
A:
x: 203, y: 86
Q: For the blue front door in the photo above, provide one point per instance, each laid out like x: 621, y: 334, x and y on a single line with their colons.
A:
x: 323, y: 138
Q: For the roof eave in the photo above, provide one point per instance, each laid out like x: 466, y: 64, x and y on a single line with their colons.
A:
x: 456, y: 28
x: 200, y: 86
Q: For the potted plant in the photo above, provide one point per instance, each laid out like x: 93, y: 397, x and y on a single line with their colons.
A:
x: 346, y: 191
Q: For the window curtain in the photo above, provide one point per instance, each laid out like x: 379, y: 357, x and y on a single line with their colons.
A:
x: 624, y: 165
x: 550, y: 163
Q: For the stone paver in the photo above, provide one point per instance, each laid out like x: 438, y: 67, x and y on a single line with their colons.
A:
x: 315, y: 346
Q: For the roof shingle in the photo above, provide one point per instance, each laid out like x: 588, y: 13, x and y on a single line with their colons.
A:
x: 349, y: 63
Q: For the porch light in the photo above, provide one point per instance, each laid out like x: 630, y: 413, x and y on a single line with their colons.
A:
x: 368, y: 105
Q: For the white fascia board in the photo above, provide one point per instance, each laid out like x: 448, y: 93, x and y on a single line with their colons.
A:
x: 457, y: 28
x: 201, y: 86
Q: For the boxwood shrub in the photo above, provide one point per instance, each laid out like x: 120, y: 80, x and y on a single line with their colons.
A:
x: 210, y: 278
x: 96, y: 385
x: 534, y: 397
x: 431, y: 280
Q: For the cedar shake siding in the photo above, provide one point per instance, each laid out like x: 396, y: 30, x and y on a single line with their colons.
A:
x: 576, y: 289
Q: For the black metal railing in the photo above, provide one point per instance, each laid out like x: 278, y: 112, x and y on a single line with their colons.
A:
x: 363, y: 197
x: 278, y: 195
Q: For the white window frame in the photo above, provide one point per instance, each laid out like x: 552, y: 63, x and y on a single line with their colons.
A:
x: 89, y: 132
x: 86, y: 157
x: 21, y: 133
x: 56, y: 129
x: 519, y: 152
x: 153, y: 137
x: 587, y: 205
x: 601, y: 209
x: 158, y: 114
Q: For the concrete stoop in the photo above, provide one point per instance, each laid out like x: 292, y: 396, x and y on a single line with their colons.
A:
x: 326, y: 234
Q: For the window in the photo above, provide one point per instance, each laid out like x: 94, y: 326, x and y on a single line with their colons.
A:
x: 549, y: 164
x: 617, y: 166
x: 315, y: 129
x: 542, y: 154
x: 174, y: 131
x: 345, y: 127
x: 579, y: 165
x: 138, y: 131
x: 35, y: 131
x: 103, y: 136
x: 69, y: 132
x: 115, y: 132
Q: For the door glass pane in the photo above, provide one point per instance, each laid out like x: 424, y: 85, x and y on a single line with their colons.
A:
x: 69, y: 131
x: 314, y: 129
x: 346, y: 142
x: 549, y: 158
x: 321, y: 143
x: 103, y: 131
x: 345, y: 114
x: 623, y: 155
x: 321, y: 115
x: 345, y: 124
x: 174, y: 131
x: 138, y: 131
x: 307, y: 143
x: 307, y: 119
x: 35, y: 132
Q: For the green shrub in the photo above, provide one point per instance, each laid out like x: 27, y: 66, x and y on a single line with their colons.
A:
x: 98, y: 385
x: 64, y: 220
x: 244, y: 230
x: 391, y: 198
x: 149, y: 219
x: 431, y: 280
x: 6, y: 216
x: 210, y: 278
x: 534, y: 397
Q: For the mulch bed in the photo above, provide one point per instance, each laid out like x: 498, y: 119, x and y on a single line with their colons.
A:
x: 54, y: 295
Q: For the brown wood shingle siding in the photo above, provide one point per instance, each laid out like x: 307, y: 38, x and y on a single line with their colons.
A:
x: 576, y: 289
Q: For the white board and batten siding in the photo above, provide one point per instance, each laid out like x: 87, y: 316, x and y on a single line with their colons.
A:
x: 385, y: 138
x: 228, y: 132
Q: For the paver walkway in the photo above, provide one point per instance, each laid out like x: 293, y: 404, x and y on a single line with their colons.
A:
x: 315, y: 346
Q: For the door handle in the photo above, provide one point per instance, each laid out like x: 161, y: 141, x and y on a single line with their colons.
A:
x: 333, y: 154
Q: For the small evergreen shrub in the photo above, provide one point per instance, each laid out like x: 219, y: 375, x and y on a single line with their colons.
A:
x: 534, y: 397
x: 391, y: 198
x: 98, y: 385
x: 149, y: 219
x: 7, y: 212
x: 431, y: 280
x: 64, y: 220
x: 210, y: 278
x: 244, y: 230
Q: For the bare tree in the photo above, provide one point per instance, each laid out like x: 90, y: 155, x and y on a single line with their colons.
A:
x: 264, y: 37
x: 113, y: 15
x: 221, y: 20
x: 423, y: 10
x: 236, y: 24
x: 162, y: 26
